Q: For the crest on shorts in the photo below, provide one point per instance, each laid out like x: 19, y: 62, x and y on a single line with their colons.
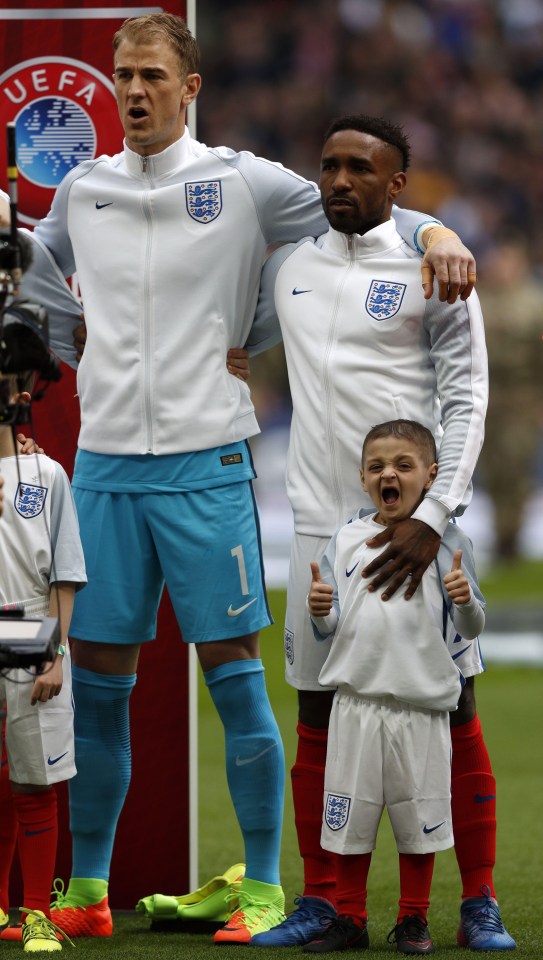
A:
x: 30, y: 500
x: 289, y: 646
x: 336, y: 811
x: 384, y: 299
x: 204, y: 199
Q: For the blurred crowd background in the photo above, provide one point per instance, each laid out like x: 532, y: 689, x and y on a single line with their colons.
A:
x: 465, y: 79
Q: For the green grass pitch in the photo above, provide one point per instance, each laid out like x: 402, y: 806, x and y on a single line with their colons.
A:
x: 510, y: 705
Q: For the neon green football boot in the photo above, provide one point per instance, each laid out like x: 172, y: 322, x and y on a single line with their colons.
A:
x: 41, y: 935
x: 214, y: 902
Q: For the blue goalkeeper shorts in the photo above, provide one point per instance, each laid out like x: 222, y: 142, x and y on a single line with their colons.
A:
x: 204, y: 544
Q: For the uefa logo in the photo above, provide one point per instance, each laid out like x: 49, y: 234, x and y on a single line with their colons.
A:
x: 64, y: 112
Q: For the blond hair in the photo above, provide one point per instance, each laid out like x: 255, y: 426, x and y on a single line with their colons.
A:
x: 162, y: 26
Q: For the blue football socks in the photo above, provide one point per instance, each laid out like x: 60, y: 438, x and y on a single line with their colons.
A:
x: 255, y: 763
x: 103, y: 760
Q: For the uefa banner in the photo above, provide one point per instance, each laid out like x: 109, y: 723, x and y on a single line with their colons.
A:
x: 56, y: 87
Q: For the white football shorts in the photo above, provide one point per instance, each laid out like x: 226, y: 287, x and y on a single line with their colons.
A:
x: 387, y: 753
x: 39, y: 738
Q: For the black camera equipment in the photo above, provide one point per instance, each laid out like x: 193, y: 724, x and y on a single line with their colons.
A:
x: 26, y: 642
x: 24, y: 348
x: 24, y: 330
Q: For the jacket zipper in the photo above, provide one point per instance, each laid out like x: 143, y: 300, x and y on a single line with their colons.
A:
x: 147, y: 312
x: 329, y: 419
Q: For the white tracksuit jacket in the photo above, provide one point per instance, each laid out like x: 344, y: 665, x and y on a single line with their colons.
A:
x: 363, y: 346
x: 168, y: 252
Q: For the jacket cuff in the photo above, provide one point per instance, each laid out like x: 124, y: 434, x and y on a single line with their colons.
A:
x: 434, y: 514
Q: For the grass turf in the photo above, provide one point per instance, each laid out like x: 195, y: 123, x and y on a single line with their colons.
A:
x: 509, y: 701
x: 512, y: 584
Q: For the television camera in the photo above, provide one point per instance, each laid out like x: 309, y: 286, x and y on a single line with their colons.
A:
x: 24, y: 333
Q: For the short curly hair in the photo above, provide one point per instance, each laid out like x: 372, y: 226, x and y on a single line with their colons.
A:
x: 391, y: 133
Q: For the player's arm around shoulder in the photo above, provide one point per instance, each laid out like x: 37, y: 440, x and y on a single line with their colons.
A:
x: 444, y: 256
x: 451, y: 262
x: 288, y: 206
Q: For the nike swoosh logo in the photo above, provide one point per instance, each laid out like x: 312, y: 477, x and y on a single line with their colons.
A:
x: 4, y: 763
x: 34, y: 833
x: 480, y: 799
x: 460, y: 652
x: 235, y: 613
x: 348, y: 572
x: 52, y: 762
x: 296, y: 293
x: 100, y: 206
x: 426, y: 829
x: 241, y: 761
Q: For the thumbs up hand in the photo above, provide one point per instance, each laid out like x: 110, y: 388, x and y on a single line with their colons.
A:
x: 320, y: 595
x: 455, y: 582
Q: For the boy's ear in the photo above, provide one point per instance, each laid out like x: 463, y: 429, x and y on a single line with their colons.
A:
x: 432, y: 474
x: 362, y: 481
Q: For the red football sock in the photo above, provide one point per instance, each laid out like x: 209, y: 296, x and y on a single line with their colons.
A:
x: 416, y: 871
x: 352, y: 885
x: 308, y: 792
x: 38, y: 832
x: 473, y: 794
x: 8, y: 832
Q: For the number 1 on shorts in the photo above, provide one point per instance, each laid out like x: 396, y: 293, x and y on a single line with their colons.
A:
x: 238, y: 553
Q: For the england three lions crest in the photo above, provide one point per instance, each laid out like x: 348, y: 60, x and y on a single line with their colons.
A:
x: 30, y: 500
x: 336, y: 811
x: 384, y: 299
x: 204, y: 200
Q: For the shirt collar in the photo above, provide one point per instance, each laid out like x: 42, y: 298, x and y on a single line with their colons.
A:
x: 375, y: 241
x: 158, y: 165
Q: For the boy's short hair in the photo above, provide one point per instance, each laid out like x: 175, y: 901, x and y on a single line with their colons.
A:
x: 405, y: 430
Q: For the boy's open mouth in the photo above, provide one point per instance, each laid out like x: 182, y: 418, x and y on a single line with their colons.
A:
x: 390, y: 495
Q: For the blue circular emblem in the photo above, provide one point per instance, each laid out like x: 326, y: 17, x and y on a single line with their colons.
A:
x: 53, y: 135
x: 64, y: 112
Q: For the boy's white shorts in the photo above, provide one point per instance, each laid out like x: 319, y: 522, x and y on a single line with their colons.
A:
x: 39, y: 738
x: 381, y: 753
